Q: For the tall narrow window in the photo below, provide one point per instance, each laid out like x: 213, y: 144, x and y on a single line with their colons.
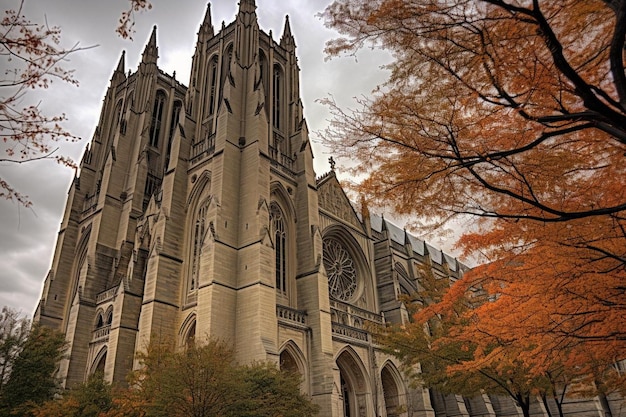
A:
x: 117, y: 117
x: 173, y: 123
x: 212, y: 84
x: 277, y: 92
x: 157, y: 118
x: 263, y: 79
x: 277, y: 222
x: 199, y: 232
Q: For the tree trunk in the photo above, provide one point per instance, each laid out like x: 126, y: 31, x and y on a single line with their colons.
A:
x: 524, y: 404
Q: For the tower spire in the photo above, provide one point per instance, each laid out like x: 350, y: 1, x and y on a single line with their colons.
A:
x: 287, y: 41
x: 118, y: 73
x: 206, y: 28
x: 121, y: 65
x: 151, y: 51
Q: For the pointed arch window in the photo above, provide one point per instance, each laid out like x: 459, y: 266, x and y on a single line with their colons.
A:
x: 157, y: 118
x: 190, y: 338
x: 277, y: 221
x: 99, y: 321
x: 117, y: 118
x: 173, y: 123
x: 212, y: 85
x: 263, y: 70
x: 199, y: 233
x: 277, y: 92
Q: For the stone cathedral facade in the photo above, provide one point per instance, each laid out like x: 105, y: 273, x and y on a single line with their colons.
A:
x: 197, y: 213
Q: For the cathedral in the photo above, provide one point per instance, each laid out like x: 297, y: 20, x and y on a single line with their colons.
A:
x: 197, y: 213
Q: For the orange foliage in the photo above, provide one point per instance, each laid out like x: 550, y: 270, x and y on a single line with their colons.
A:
x: 513, y: 114
x: 127, y: 19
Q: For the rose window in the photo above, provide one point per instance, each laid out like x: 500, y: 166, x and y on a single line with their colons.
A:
x: 341, y: 271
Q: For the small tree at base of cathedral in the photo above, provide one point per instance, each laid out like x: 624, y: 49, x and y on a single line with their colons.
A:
x: 13, y: 334
x: 91, y: 399
x: 205, y: 381
x: 32, y: 380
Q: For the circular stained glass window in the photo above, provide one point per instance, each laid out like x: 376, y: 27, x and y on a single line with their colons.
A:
x: 341, y: 271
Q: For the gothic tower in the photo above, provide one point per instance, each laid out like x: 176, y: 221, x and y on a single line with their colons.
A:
x: 195, y: 213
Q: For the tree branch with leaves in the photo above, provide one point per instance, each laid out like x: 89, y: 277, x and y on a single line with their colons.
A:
x: 510, y: 114
x: 32, y: 57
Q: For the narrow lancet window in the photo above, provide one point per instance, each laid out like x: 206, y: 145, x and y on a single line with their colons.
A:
x: 277, y: 222
x: 157, y: 118
x: 199, y: 233
x: 277, y: 93
x: 212, y: 85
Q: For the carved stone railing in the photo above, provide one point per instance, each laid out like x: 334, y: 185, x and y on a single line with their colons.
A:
x: 105, y: 296
x: 202, y: 148
x: 291, y: 315
x: 277, y: 155
x: 101, y: 334
x: 350, y: 321
x: 349, y: 331
x: 352, y: 316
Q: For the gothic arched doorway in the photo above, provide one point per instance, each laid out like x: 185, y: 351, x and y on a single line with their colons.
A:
x: 392, y: 391
x: 355, y: 393
x: 292, y: 360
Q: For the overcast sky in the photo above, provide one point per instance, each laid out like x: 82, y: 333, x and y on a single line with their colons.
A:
x: 28, y: 236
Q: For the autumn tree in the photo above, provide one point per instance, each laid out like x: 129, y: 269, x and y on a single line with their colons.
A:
x: 512, y: 114
x: 13, y: 334
x: 33, y: 57
x: 90, y: 399
x: 126, y: 22
x: 271, y: 392
x: 206, y: 381
x: 198, y: 382
x: 449, y: 353
x: 32, y: 380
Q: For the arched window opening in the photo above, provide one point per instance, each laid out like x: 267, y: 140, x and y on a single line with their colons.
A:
x: 173, y: 123
x: 226, y: 58
x: 277, y: 92
x: 190, y: 339
x: 199, y: 233
x: 263, y: 70
x: 117, y: 118
x: 212, y: 85
x: 99, y: 368
x: 99, y: 321
x: 278, y: 230
x: 288, y: 363
x: 157, y: 118
x: 391, y: 393
x: 264, y: 74
x: 109, y: 318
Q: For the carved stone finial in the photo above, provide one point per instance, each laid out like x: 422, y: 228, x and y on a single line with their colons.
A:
x: 332, y: 163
